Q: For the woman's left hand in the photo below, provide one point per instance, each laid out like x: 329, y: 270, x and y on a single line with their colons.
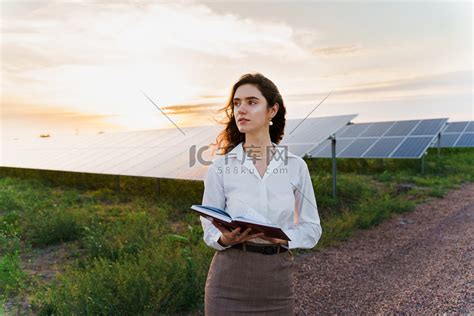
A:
x: 274, y: 240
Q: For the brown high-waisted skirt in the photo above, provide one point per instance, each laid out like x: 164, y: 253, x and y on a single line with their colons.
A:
x: 248, y: 282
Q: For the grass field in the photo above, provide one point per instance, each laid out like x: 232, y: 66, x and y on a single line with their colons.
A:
x: 69, y: 244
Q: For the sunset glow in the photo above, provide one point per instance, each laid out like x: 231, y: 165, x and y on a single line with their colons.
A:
x: 81, y: 67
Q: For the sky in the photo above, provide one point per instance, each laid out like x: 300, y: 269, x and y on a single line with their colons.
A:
x: 84, y: 67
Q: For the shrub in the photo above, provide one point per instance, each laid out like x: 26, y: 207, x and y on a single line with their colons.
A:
x: 131, y: 233
x: 11, y: 275
x: 160, y: 279
x: 53, y: 225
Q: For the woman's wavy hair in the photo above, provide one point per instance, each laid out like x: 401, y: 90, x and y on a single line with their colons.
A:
x: 231, y: 136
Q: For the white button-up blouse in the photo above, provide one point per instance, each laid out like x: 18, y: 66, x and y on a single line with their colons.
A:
x: 284, y: 195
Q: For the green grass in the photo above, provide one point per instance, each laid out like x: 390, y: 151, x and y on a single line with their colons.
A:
x: 143, y: 253
x: 11, y: 275
x: 164, y: 278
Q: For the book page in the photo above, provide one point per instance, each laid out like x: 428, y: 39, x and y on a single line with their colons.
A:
x: 244, y: 211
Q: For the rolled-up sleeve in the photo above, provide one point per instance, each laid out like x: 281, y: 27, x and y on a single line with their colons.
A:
x: 214, y: 195
x: 307, y: 230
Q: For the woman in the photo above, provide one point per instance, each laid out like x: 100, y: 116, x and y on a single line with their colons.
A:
x: 250, y: 272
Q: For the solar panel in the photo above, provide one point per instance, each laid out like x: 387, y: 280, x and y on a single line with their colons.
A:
x: 402, y: 128
x: 121, y: 157
x: 401, y: 139
x: 297, y: 149
x: 466, y: 140
x: 354, y: 130
x: 164, y: 153
x: 167, y: 162
x: 343, y: 129
x: 457, y: 134
x: 377, y: 129
x: 133, y: 156
x: 324, y: 150
x: 98, y: 149
x: 470, y: 128
x: 457, y: 127
x: 305, y: 134
x: 311, y: 130
x: 357, y: 148
x: 383, y: 147
x: 317, y: 151
x: 427, y: 127
x: 449, y: 140
x: 412, y: 147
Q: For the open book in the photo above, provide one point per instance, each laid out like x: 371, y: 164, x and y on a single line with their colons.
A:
x: 217, y: 215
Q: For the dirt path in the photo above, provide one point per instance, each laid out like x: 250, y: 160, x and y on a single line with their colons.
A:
x: 419, y: 262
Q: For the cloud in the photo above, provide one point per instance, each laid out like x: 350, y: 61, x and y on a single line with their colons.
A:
x: 28, y: 122
x: 337, y: 51
x: 192, y: 109
x: 397, y: 89
x: 94, y: 56
x: 87, y: 54
x: 212, y: 96
x: 18, y: 57
x: 454, y: 79
x: 92, y: 33
x: 54, y: 115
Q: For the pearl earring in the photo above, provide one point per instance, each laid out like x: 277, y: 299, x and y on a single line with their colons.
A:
x: 271, y: 123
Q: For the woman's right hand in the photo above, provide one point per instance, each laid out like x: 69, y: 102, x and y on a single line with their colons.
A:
x: 229, y: 238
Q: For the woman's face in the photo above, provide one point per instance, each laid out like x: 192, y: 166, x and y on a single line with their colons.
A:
x: 250, y: 109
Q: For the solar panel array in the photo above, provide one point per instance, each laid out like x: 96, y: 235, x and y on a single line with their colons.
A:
x: 301, y: 135
x: 457, y: 134
x: 396, y: 139
x: 153, y: 153
x: 165, y: 153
